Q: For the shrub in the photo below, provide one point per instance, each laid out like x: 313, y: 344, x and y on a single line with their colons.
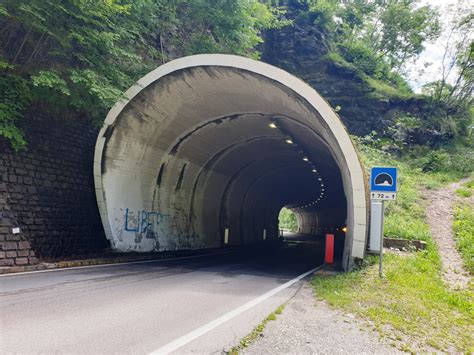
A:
x: 434, y: 161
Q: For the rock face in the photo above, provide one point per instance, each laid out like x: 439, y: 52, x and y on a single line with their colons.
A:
x: 48, y: 192
x: 305, y: 50
x: 302, y: 49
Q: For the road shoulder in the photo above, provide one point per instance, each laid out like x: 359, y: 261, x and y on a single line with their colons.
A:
x: 310, y: 326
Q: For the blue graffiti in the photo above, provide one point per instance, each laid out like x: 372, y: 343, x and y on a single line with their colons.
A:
x: 145, y: 221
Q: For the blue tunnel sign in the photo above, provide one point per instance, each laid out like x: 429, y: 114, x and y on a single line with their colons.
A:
x: 383, y: 183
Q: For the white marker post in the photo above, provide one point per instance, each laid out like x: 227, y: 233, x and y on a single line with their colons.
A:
x: 226, y: 236
x: 383, y: 186
x: 376, y: 229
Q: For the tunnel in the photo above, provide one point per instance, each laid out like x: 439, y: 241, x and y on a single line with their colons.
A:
x: 204, y: 151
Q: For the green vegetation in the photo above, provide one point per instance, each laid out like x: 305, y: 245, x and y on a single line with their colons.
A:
x: 250, y: 338
x: 469, y: 184
x: 464, y: 234
x: 411, y: 299
x: 418, y: 171
x: 464, y: 192
x: 372, y: 43
x: 75, y: 58
x: 287, y: 220
x: 376, y: 38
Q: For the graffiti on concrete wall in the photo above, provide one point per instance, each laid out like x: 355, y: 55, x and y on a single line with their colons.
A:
x: 142, y: 221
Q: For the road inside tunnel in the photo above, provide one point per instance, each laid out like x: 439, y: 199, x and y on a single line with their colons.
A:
x: 141, y: 307
x: 206, y: 150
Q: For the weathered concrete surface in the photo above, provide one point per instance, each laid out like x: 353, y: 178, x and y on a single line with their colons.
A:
x: 189, y: 160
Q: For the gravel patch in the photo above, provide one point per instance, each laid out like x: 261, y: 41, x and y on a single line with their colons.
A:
x: 440, y: 217
x: 307, y: 326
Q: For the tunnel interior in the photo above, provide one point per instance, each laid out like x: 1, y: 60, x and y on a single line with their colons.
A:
x: 206, y: 156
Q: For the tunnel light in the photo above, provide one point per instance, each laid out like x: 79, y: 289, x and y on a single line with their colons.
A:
x: 314, y: 171
x: 322, y: 185
x: 272, y: 125
x: 289, y: 141
x: 344, y: 229
x: 305, y: 158
x: 320, y: 179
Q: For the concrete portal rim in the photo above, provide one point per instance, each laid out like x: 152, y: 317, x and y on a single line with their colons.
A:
x: 357, y: 215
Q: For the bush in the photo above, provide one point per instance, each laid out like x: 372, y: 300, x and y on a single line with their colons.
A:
x: 434, y: 161
x: 362, y: 57
x: 455, y: 161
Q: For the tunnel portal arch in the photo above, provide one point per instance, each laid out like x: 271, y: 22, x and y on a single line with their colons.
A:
x: 205, y: 150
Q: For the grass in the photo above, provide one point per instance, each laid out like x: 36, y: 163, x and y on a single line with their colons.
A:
x: 469, y: 184
x: 411, y: 299
x: 464, y: 234
x: 405, y: 217
x: 255, y: 333
x: 411, y: 304
x: 467, y: 189
x: 383, y: 90
x: 462, y: 192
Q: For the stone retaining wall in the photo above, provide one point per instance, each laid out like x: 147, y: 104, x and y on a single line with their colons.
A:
x: 48, y: 192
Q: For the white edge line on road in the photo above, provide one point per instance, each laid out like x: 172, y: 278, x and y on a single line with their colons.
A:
x: 176, y: 344
x: 111, y: 264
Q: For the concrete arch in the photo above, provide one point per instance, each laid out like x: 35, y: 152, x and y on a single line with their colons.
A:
x: 189, y: 156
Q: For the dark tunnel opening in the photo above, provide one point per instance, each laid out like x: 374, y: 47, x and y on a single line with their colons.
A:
x: 207, y: 156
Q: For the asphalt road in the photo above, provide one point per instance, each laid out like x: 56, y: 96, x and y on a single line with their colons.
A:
x: 142, y: 307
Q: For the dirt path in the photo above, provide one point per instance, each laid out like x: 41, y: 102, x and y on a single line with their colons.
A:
x: 440, y: 217
x: 307, y: 326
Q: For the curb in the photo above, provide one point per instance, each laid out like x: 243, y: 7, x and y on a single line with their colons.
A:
x: 101, y: 261
x: 69, y: 264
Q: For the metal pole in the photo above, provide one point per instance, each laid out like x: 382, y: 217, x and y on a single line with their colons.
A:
x: 381, y: 241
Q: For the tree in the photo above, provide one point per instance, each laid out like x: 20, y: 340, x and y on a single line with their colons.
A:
x: 455, y: 86
x: 391, y: 30
x: 77, y: 57
x: 404, y: 29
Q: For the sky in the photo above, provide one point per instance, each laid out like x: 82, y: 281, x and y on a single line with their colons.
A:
x: 418, y: 72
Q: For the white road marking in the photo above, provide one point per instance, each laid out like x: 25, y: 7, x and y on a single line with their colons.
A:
x: 176, y: 344
x: 112, y: 264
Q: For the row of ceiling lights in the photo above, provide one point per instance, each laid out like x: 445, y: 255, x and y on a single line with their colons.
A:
x: 289, y: 140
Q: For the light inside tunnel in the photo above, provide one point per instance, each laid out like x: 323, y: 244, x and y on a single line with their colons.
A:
x: 206, y: 150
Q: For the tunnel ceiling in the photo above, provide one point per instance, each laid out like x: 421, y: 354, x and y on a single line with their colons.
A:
x: 207, y: 149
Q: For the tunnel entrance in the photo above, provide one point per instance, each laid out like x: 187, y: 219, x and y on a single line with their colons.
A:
x: 291, y: 224
x: 206, y: 150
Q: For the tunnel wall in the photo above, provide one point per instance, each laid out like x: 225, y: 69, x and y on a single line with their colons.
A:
x: 133, y: 155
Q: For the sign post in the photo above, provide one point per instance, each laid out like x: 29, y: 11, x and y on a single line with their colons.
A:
x: 383, y: 187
